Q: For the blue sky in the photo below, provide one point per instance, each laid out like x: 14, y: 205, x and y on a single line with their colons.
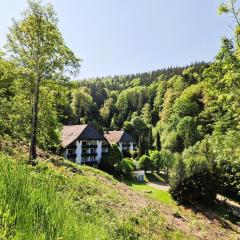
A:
x: 131, y: 36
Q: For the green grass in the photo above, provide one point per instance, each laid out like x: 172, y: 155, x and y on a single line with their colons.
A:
x: 156, y: 177
x: 58, y: 200
x: 44, y: 205
x: 161, y: 195
x: 46, y: 202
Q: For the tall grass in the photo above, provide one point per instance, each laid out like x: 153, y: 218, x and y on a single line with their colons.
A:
x: 33, y: 206
x: 37, y: 203
x: 30, y: 207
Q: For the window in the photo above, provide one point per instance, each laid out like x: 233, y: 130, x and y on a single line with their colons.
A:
x: 92, y: 150
x: 70, y: 151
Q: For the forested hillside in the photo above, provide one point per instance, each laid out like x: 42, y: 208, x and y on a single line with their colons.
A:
x: 185, y: 121
x: 189, y: 115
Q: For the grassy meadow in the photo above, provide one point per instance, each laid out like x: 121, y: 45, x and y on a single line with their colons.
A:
x: 67, y: 202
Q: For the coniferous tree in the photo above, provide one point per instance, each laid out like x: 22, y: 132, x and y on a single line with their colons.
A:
x: 158, y: 142
x: 150, y: 139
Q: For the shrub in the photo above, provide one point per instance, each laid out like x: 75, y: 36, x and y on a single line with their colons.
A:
x: 134, y: 153
x: 109, y: 161
x: 145, y: 163
x: 126, y: 166
x: 226, y: 151
x: 192, y: 180
x: 167, y: 160
x: 155, y: 157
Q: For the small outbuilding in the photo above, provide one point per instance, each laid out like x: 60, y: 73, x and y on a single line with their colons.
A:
x: 139, y: 175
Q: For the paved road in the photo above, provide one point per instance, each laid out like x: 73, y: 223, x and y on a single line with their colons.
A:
x: 159, y: 185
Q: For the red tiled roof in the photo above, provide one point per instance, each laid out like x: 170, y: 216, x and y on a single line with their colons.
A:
x: 114, y: 136
x: 83, y: 132
x: 71, y: 133
x: 118, y: 136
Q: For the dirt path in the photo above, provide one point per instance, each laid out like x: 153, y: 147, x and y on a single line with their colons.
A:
x: 159, y: 185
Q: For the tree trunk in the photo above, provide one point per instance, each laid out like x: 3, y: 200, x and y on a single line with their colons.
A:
x: 33, y: 152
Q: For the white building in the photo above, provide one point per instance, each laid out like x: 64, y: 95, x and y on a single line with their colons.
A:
x: 124, y: 141
x: 83, y: 144
x: 139, y: 175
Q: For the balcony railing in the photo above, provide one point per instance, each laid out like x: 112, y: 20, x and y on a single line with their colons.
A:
x: 89, y: 162
x: 105, y: 153
x: 74, y: 155
x: 89, y: 146
x: 88, y: 154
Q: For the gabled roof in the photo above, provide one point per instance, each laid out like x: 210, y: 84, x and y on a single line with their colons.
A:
x: 118, y: 136
x: 81, y: 132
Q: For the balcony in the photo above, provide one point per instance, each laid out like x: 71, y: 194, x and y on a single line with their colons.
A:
x: 89, y: 146
x: 126, y: 145
x: 72, y: 157
x: 126, y: 153
x: 105, y: 153
x: 88, y: 154
x: 89, y: 162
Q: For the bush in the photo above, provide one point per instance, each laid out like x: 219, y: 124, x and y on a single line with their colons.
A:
x: 109, y: 161
x: 192, y: 180
x: 167, y: 158
x: 145, y: 163
x: 134, y: 153
x: 126, y: 166
x: 155, y: 157
x: 226, y: 151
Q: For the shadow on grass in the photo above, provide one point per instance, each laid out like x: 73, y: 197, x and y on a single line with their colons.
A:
x: 157, y: 178
x: 220, y: 212
x: 130, y: 182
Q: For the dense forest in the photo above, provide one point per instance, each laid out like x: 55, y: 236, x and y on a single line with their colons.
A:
x: 184, y: 119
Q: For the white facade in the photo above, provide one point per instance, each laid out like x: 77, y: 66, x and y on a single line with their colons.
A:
x: 86, y: 151
x: 79, y: 152
x: 99, y: 151
x: 120, y: 146
x: 126, y: 146
x: 139, y: 175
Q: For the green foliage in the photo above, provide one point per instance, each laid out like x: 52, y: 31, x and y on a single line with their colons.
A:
x: 157, y: 160
x: 187, y: 130
x: 42, y: 203
x: 113, y: 159
x: 33, y: 206
x: 36, y: 48
x: 193, y: 180
x: 145, y: 163
x: 226, y: 150
x: 146, y: 113
x: 126, y: 166
x: 223, y: 8
x: 193, y: 110
x: 107, y: 111
x: 81, y: 104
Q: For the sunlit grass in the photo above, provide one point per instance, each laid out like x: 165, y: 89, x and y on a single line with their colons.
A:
x: 40, y: 203
x: 161, y: 195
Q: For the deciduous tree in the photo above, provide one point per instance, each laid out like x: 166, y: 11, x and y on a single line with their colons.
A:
x: 36, y: 46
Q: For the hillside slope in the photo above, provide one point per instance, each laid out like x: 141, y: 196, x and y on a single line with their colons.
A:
x: 59, y: 200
